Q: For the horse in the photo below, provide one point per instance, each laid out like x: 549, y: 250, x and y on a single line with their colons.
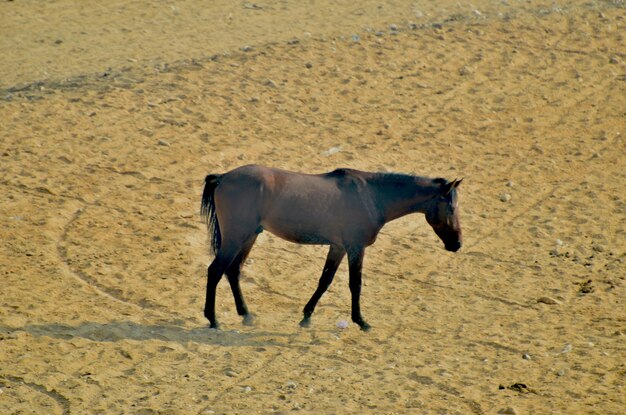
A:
x: 345, y: 209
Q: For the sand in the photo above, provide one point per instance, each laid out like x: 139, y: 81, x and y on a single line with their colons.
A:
x: 111, y: 116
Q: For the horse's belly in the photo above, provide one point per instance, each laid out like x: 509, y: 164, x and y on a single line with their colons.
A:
x: 299, y: 234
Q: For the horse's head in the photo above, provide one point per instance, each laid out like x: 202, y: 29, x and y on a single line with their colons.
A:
x: 443, y: 214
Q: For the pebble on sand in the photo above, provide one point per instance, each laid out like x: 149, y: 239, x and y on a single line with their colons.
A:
x: 547, y: 300
x: 505, y: 197
x: 331, y: 151
x: 508, y: 411
x: 465, y: 70
x: 342, y: 324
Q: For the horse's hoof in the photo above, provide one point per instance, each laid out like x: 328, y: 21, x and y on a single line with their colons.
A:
x: 214, y: 325
x: 306, y: 322
x: 364, y: 326
x: 248, y: 320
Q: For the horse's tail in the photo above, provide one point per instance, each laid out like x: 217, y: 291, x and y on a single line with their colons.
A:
x: 207, y: 210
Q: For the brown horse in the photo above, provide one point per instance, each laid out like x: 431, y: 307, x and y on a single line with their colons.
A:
x: 344, y: 209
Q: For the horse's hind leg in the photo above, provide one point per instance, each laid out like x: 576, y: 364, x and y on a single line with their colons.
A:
x: 225, y: 256
x: 233, y: 272
x: 335, y: 255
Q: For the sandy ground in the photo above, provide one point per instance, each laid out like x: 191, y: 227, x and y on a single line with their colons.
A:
x: 111, y: 116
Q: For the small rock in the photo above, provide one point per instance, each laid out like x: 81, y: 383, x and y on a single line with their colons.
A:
x: 163, y: 143
x: 331, y: 151
x: 508, y: 411
x: 526, y: 356
x: 614, y: 60
x: 547, y: 300
x: 465, y: 70
x: 308, y: 65
x: 342, y: 324
x: 246, y: 48
x: 252, y: 6
x: 291, y: 385
x: 271, y: 83
x: 598, y: 248
x: 586, y: 287
x: 247, y: 389
x: 567, y: 348
x: 231, y: 373
x: 505, y: 197
x: 520, y: 387
x: 356, y: 38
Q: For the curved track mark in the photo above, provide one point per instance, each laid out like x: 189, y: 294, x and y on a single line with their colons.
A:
x: 108, y: 292
x: 61, y: 400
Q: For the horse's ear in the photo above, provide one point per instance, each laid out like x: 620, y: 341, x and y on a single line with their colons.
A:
x: 448, y: 186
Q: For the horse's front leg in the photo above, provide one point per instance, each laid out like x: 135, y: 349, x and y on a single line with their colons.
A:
x: 355, y: 261
x: 335, y: 255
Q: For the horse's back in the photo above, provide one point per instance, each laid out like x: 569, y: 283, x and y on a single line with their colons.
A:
x: 304, y: 208
x: 258, y: 173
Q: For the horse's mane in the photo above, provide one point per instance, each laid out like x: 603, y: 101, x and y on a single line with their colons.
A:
x: 391, y: 179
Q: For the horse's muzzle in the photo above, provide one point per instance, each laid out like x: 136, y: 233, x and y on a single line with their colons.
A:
x: 453, y: 247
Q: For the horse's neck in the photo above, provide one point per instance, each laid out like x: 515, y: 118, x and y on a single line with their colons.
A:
x: 399, y: 196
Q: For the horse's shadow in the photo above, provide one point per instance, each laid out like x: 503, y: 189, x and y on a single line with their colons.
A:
x: 167, y: 332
